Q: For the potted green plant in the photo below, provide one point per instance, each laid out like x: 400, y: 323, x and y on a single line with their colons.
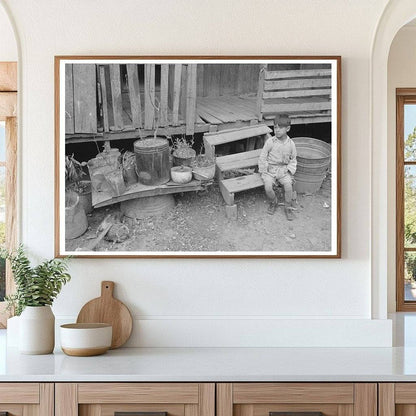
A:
x: 183, y: 153
x: 36, y: 289
x: 203, y: 167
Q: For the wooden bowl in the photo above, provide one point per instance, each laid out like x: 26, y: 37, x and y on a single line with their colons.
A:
x: 84, y: 340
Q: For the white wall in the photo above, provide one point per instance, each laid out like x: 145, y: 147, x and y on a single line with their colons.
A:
x: 8, y: 47
x: 179, y: 302
x: 401, y: 74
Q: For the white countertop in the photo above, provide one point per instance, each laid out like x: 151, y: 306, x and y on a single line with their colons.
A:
x: 213, y: 364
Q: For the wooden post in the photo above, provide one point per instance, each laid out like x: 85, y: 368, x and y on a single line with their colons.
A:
x: 191, y: 100
x: 69, y: 100
x: 149, y: 96
x: 116, y: 96
x: 104, y: 98
x: 164, y: 76
x: 134, y: 94
x: 176, y: 94
x: 260, y: 90
x: 85, y: 98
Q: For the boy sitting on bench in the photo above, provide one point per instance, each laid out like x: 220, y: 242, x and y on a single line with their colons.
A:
x: 277, y: 164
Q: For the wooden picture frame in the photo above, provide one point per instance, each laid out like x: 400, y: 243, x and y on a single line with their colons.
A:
x: 222, y: 107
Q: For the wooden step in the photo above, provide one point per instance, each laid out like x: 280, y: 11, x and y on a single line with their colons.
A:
x: 238, y: 160
x: 242, y: 183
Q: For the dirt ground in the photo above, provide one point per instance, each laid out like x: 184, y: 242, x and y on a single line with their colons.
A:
x: 198, y: 223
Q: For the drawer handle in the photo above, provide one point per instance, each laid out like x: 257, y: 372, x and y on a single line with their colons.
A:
x: 138, y: 414
x: 296, y: 414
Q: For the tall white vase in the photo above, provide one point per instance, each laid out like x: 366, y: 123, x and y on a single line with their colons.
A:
x: 37, y: 330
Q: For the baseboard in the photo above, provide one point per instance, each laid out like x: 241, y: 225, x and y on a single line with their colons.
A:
x: 248, y: 332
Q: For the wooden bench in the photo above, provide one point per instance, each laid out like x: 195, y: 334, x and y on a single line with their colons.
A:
x: 242, y: 160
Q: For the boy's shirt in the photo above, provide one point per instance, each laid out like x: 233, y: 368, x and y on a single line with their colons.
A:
x: 276, y: 156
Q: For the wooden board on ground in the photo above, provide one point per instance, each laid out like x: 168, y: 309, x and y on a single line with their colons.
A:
x: 138, y: 190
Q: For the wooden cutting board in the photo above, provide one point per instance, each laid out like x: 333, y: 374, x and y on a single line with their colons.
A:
x: 107, y: 309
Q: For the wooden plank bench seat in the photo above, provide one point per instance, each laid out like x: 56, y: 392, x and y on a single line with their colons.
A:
x: 238, y: 160
x: 229, y: 187
x: 232, y: 135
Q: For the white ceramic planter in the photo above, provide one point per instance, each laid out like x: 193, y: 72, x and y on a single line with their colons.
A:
x: 37, y: 330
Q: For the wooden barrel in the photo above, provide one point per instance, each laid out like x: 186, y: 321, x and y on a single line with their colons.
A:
x: 314, y: 159
x: 152, y: 160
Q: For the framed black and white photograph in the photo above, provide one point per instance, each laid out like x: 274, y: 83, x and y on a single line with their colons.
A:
x: 198, y: 156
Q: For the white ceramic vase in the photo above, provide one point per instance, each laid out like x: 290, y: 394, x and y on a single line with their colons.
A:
x: 37, y: 330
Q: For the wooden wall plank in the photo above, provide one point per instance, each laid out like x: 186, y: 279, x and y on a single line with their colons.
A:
x: 134, y: 94
x: 190, y: 100
x: 225, y: 399
x: 47, y: 399
x: 260, y: 90
x: 296, y: 73
x: 365, y: 399
x: 116, y: 97
x: 104, y: 98
x: 8, y: 105
x: 182, y: 99
x: 69, y: 100
x: 176, y: 94
x: 8, y: 76
x: 297, y: 93
x: 149, y: 96
x: 200, y: 80
x: 85, y: 98
x: 27, y: 393
x: 138, y: 393
x: 298, y: 107
x: 386, y: 399
x: 297, y: 84
x: 164, y: 88
x: 252, y: 393
x: 66, y: 399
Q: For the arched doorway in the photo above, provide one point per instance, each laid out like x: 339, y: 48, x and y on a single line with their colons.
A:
x: 396, y: 14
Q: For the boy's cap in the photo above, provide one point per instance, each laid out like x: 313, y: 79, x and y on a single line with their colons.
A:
x: 282, y: 120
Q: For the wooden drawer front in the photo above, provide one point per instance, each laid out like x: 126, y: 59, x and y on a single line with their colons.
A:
x: 332, y: 399
x: 293, y: 393
x: 19, y: 393
x: 110, y: 409
x: 138, y: 393
x: 104, y: 399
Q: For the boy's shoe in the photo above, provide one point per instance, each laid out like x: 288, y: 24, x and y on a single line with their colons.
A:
x: 289, y: 213
x: 272, y: 207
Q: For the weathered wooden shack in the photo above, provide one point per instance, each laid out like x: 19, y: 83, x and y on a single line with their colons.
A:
x: 129, y: 101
